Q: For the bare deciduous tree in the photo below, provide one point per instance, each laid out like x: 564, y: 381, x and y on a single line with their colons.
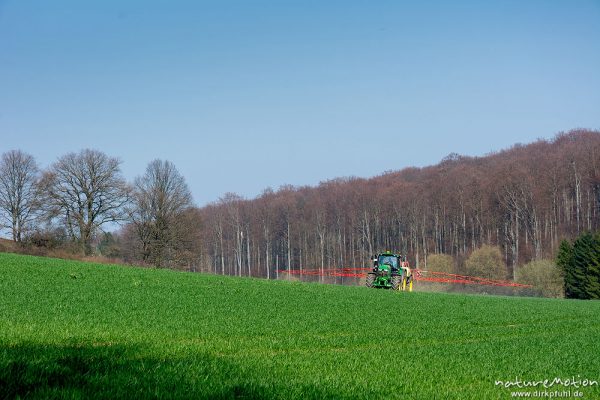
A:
x: 161, y: 199
x: 86, y: 190
x: 18, y: 191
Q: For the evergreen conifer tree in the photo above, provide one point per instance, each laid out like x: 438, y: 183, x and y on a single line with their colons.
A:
x: 564, y: 260
x: 582, y: 255
x: 592, y: 287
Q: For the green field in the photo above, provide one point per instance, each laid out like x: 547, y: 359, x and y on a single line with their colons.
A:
x: 77, y: 330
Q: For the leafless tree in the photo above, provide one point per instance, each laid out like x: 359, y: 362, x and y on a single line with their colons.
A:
x: 19, y: 175
x: 161, y: 200
x: 86, y: 190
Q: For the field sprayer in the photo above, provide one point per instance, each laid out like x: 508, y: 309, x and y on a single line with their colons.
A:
x: 390, y: 271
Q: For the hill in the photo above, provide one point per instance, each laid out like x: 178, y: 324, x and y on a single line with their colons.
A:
x: 77, y: 330
x: 525, y: 200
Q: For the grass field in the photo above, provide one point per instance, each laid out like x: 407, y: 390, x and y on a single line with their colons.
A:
x: 75, y: 330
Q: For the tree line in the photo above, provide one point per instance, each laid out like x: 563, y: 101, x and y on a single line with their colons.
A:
x: 524, y: 200
x: 70, y: 203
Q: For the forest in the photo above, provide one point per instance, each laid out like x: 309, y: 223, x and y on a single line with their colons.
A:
x: 525, y: 200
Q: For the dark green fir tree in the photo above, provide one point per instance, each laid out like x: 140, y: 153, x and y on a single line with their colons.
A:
x: 583, y: 249
x: 564, y: 260
x: 592, y: 286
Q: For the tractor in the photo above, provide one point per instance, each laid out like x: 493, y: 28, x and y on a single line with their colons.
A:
x: 390, y: 271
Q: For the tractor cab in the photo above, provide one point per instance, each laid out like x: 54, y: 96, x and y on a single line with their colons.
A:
x: 386, y: 261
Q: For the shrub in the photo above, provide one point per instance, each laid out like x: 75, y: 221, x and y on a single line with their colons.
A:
x: 46, y: 239
x: 545, y: 276
x: 441, y: 263
x: 486, y: 262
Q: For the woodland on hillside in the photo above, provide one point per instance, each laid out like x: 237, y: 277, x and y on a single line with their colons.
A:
x: 524, y: 200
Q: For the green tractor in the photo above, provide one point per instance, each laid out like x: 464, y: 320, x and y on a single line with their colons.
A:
x: 390, y: 271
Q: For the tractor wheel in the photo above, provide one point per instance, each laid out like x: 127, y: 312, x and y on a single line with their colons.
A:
x: 396, y: 282
x: 370, y: 279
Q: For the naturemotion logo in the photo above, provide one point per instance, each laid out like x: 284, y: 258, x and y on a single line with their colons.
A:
x: 572, y: 382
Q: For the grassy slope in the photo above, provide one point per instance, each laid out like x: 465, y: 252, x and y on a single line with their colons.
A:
x: 69, y: 329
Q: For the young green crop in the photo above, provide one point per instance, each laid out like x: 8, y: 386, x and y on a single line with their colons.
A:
x: 72, y: 329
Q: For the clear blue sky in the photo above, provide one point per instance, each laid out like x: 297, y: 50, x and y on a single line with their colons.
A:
x: 244, y: 95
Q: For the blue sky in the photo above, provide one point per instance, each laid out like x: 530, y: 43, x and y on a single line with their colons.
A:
x: 245, y: 95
